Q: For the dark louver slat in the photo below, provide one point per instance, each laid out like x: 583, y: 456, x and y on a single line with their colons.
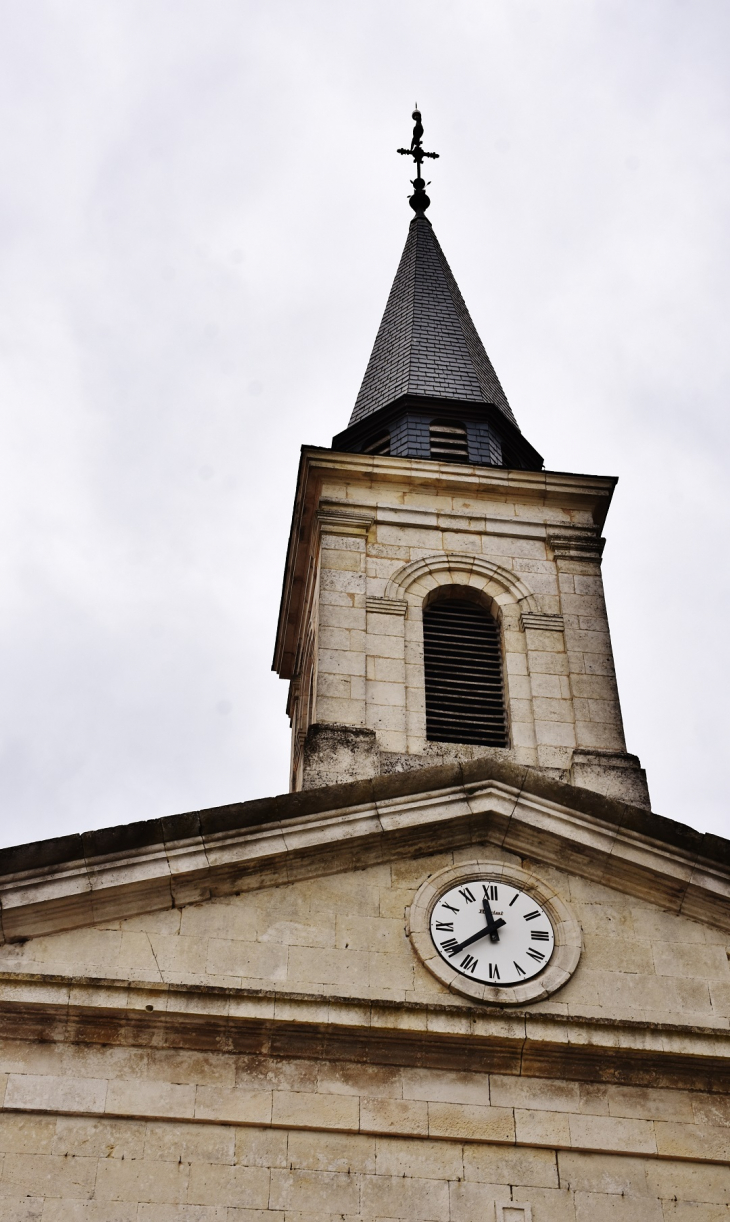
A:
x: 463, y: 667
x: 380, y: 446
x: 449, y: 443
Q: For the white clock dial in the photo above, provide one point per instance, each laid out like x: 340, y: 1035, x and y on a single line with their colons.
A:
x: 491, y: 931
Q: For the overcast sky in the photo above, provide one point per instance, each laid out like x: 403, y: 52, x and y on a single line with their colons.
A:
x: 202, y: 211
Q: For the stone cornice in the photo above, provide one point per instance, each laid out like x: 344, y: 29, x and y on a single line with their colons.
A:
x: 344, y: 519
x: 437, y: 1035
x: 575, y: 543
x: 554, y: 486
x: 145, y: 867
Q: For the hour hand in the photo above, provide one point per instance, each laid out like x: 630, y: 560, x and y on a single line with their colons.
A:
x: 481, y: 933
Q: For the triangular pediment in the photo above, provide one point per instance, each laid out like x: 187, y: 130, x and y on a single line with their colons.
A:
x: 346, y: 935
x: 289, y: 923
x: 167, y: 864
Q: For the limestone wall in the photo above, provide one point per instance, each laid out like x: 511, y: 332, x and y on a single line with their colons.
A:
x: 380, y: 551
x: 282, y: 1053
x: 140, y: 1136
x: 344, y: 935
x: 370, y: 659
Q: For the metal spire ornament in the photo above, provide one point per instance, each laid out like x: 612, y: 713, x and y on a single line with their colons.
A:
x: 419, y: 201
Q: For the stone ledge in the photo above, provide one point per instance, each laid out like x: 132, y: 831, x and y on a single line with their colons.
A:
x: 428, y: 1035
x: 335, y: 519
x: 576, y: 542
x: 540, y: 486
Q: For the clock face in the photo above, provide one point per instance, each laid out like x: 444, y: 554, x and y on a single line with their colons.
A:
x: 492, y: 931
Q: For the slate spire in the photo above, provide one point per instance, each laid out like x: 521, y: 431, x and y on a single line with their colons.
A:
x: 427, y: 343
x: 429, y: 368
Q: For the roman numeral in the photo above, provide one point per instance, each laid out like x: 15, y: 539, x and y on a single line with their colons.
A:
x: 466, y: 894
x: 521, y: 970
x: 448, y: 945
x: 493, y: 971
x: 514, y: 900
x: 530, y: 916
x: 468, y: 964
x: 491, y: 892
x: 540, y: 935
x: 449, y: 906
x: 446, y: 926
x: 537, y: 955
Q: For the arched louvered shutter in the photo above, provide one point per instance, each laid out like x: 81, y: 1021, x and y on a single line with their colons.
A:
x: 463, y: 669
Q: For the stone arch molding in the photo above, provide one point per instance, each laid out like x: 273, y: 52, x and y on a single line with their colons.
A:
x: 416, y: 579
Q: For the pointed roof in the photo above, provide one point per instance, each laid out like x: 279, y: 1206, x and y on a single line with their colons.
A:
x: 427, y: 344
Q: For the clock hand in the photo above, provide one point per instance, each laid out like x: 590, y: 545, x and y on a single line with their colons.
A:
x: 489, y: 929
x: 493, y: 926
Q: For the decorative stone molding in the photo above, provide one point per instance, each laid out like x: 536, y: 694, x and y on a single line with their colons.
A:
x: 543, y: 623
x: 567, y: 933
x: 386, y: 606
x: 535, y: 1044
x: 576, y: 543
x: 334, y: 520
x: 459, y: 568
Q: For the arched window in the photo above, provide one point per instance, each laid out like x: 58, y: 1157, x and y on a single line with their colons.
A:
x: 381, y: 445
x: 463, y: 670
x: 448, y: 441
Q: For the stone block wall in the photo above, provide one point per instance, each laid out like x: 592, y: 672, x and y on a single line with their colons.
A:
x: 281, y: 1053
x: 344, y: 936
x: 155, y: 1136
x: 383, y: 549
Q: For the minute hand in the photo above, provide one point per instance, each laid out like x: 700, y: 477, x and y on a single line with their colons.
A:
x: 481, y: 933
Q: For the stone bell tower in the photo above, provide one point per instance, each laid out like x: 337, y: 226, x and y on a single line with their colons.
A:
x: 432, y: 493
x: 470, y: 992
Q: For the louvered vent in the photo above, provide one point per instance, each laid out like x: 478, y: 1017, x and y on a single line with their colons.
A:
x: 463, y: 668
x: 381, y: 445
x: 448, y: 442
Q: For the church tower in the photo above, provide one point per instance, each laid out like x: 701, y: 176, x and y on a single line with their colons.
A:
x: 443, y: 598
x: 462, y: 974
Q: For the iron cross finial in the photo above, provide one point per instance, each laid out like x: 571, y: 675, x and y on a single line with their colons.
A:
x: 419, y: 201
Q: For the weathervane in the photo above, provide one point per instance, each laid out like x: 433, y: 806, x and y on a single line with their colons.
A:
x: 419, y: 201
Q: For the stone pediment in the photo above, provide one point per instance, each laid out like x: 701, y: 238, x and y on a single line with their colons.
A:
x: 163, y: 864
x: 281, y: 927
